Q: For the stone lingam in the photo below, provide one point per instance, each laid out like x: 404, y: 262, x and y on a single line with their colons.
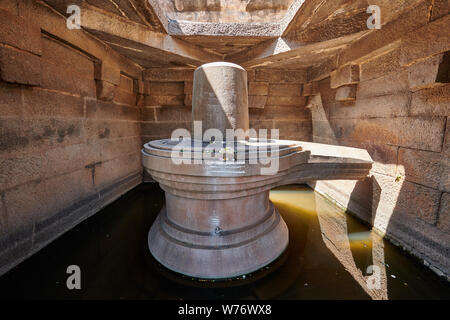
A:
x: 218, y: 221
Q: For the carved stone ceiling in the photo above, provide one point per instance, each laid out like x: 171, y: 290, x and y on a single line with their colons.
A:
x: 290, y: 34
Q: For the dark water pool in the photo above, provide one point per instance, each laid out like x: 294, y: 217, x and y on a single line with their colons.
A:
x: 327, y: 258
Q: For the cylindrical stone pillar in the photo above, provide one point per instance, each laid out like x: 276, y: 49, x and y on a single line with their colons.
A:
x: 220, y: 97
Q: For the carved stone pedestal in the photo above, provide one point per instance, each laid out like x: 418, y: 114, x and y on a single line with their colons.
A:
x: 218, y: 221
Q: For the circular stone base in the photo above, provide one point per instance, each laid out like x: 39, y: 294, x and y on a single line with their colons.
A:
x: 217, y: 256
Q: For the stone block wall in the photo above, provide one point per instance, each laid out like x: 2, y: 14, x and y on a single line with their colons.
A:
x: 69, y: 127
x: 275, y: 101
x: 394, y: 101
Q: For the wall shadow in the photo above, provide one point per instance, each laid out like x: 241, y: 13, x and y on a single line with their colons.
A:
x: 395, y: 214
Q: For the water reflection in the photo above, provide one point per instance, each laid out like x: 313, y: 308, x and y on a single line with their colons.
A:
x: 327, y: 258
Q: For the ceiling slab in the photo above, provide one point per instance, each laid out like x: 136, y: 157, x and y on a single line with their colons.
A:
x: 124, y: 33
x: 297, y: 34
x: 280, y: 52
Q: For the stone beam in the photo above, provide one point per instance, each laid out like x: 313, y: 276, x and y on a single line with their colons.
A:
x: 302, y: 13
x: 273, y: 53
x: 319, y: 20
x: 149, y: 11
x: 152, y: 13
x: 136, y: 38
x: 245, y: 29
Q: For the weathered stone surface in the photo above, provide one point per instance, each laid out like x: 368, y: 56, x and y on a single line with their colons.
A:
x: 346, y: 93
x: 399, y: 199
x: 107, y: 72
x: 36, y: 145
x: 176, y: 114
x: 391, y: 83
x: 138, y: 86
x: 99, y: 110
x: 425, y: 73
x: 423, y: 167
x: 57, y: 161
x: 382, y: 107
x: 356, y: 196
x: 384, y: 156
x: 338, y: 24
x: 444, y: 213
x: 164, y: 100
x: 72, y: 60
x: 124, y: 97
x: 400, y: 223
x: 23, y: 136
x: 220, y: 97
x: 285, y: 90
x: 148, y: 113
x: 286, y: 101
x: 10, y: 100
x: 166, y: 75
x: 261, y: 125
x: 346, y: 75
x: 258, y: 88
x: 294, y: 129
x: 126, y: 83
x: 384, y: 63
x: 20, y: 33
x: 66, y: 69
x: 426, y: 41
x: 165, y: 88
x: 10, y: 5
x: 258, y: 102
x: 108, y: 172
x: 31, y: 235
x: 322, y: 132
x: 44, y: 16
x: 413, y: 18
x: 446, y: 147
x: 440, y: 9
x: 251, y: 75
x: 142, y: 42
x: 41, y: 103
x: 280, y: 113
x: 161, y: 130
x: 139, y: 100
x: 431, y: 102
x: 323, y: 70
x: 188, y: 87
x: 418, y: 133
x: 311, y: 89
x: 19, y: 66
x: 110, y: 129
x: 281, y: 76
x: 188, y: 100
x: 109, y: 149
x: 105, y: 90
x: 41, y: 199
x: 213, y: 84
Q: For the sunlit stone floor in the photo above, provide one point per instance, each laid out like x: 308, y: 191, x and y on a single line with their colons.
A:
x: 327, y: 258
